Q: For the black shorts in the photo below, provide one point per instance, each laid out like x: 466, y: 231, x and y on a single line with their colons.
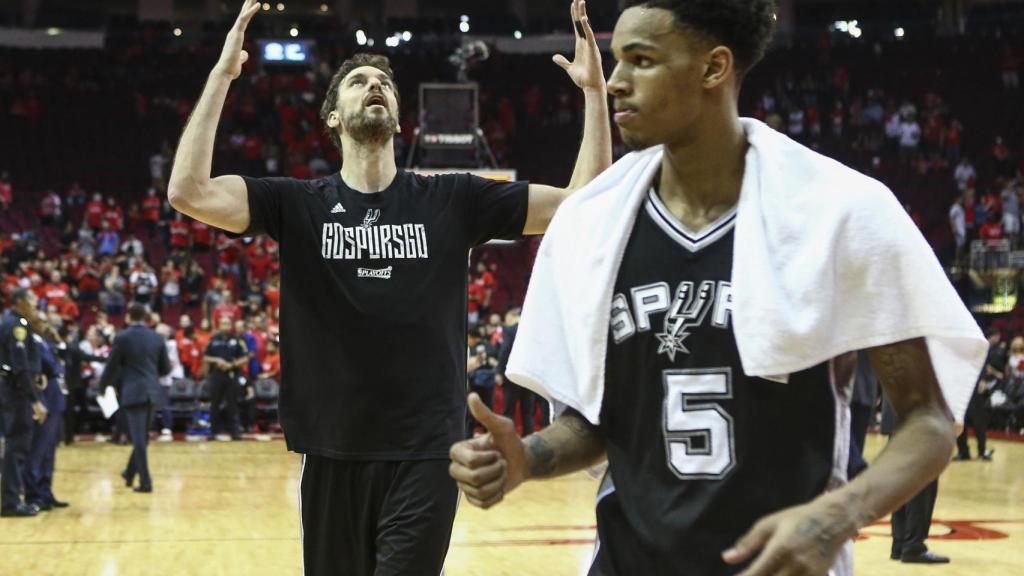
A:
x: 375, y: 518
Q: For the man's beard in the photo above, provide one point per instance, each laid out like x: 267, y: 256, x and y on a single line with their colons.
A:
x: 367, y: 128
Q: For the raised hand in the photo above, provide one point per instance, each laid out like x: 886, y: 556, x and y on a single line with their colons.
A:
x: 585, y: 69
x: 488, y: 467
x: 233, y: 56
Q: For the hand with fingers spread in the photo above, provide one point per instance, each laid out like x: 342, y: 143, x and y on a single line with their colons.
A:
x: 233, y: 56
x: 585, y: 69
x: 799, y: 541
x: 488, y: 467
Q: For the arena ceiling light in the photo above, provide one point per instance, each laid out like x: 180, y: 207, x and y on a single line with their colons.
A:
x: 899, y: 32
x: 324, y: 8
x: 851, y: 27
x: 406, y: 36
x: 54, y: 31
x: 266, y: 6
x: 280, y: 6
x: 517, y: 35
x: 177, y: 32
x: 294, y: 32
x: 464, y: 24
x: 360, y: 37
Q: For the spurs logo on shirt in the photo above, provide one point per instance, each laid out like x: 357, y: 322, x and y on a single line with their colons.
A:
x: 688, y: 309
x: 371, y: 218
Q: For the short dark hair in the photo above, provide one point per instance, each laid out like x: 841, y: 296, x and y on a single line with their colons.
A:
x: 137, y: 312
x: 18, y: 295
x: 744, y: 26
x: 378, y: 61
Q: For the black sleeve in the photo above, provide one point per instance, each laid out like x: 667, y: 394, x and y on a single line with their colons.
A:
x: 267, y: 197
x: 505, y: 351
x: 496, y: 209
x: 164, y: 362
x: 20, y: 367
x: 113, y: 365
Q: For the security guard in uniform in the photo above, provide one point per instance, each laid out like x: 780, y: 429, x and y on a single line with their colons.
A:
x: 20, y: 364
x: 225, y: 356
x: 38, y: 474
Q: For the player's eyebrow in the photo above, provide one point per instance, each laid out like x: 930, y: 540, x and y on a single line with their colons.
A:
x: 384, y: 78
x: 638, y: 45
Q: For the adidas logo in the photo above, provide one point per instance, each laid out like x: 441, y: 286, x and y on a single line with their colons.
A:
x: 338, y: 208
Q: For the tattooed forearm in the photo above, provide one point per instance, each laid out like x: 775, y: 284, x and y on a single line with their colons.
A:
x: 571, y: 443
x: 542, y: 455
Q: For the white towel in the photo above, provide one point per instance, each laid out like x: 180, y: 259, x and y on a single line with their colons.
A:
x: 826, y: 262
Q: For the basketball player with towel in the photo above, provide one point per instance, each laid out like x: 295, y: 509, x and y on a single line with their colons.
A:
x: 373, y: 308
x: 693, y: 311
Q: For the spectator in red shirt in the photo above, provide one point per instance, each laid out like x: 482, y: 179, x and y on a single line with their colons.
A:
x: 229, y: 254
x: 56, y: 291
x: 94, y: 212
x: 113, y: 215
x: 271, y: 365
x: 273, y: 293
x: 259, y: 265
x: 202, y: 236
x: 992, y: 231
x: 475, y: 301
x: 6, y: 191
x: 88, y: 279
x: 151, y: 209
x: 227, y: 308
x: 179, y: 232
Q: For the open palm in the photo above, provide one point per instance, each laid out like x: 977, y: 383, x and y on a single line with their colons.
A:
x: 233, y: 56
x: 585, y: 69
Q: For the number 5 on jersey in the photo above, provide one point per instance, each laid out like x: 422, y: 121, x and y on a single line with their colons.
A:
x: 691, y: 413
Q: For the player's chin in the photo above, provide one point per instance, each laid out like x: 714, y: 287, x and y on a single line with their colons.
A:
x: 635, y: 140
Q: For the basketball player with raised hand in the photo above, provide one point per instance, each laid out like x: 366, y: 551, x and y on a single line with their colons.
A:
x: 373, y: 303
x: 693, y: 310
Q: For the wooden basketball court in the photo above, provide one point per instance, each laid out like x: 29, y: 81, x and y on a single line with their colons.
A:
x: 231, y: 509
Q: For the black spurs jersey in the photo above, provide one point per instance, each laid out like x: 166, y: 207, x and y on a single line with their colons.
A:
x: 697, y: 451
x: 373, y: 307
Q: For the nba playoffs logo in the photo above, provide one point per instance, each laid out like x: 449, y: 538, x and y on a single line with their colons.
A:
x: 382, y: 273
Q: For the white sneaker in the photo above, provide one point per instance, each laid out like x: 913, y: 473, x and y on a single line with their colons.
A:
x: 165, y: 432
x: 223, y: 438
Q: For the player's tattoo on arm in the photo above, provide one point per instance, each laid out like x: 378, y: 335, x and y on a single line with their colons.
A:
x: 571, y: 443
x: 543, y: 456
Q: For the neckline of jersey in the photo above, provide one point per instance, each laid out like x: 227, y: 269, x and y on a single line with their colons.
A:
x: 369, y: 197
x: 695, y: 237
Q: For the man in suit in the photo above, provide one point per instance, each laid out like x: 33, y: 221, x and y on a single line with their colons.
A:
x: 19, y: 398
x: 137, y: 361
x: 37, y: 476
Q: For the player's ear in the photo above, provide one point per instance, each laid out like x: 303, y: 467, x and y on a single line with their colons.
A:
x: 334, y: 121
x: 719, y: 64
